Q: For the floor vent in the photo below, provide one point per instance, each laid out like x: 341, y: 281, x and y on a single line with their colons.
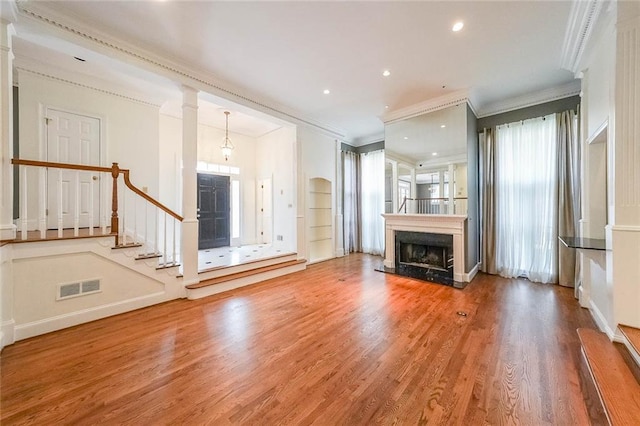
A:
x: 83, y: 288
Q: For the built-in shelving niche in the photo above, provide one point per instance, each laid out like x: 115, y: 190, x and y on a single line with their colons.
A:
x: 320, y: 231
x: 596, y: 157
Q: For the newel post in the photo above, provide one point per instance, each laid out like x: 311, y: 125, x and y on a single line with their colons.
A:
x: 115, y: 172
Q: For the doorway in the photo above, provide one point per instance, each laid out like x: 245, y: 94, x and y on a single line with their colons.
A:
x: 72, y: 195
x: 214, y: 216
x: 264, y: 213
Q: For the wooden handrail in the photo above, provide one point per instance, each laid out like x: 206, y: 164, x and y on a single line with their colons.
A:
x: 21, y: 162
x: 115, y: 171
x: 148, y: 198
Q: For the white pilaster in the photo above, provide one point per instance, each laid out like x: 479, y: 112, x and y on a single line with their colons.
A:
x: 7, y: 228
x: 394, y: 187
x: 339, y: 232
x: 625, y: 232
x: 189, y: 185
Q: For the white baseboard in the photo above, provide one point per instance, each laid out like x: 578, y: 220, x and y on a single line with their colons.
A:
x: 601, y: 322
x: 47, y: 325
x: 340, y: 252
x: 469, y: 276
x: 7, y: 333
x: 199, y: 293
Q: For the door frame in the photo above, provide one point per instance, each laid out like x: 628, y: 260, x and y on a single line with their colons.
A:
x: 103, y: 199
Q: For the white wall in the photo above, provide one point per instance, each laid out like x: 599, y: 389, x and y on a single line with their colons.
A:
x: 318, y: 159
x: 597, y: 99
x: 276, y: 158
x: 6, y: 296
x: 244, y: 157
x: 130, y: 129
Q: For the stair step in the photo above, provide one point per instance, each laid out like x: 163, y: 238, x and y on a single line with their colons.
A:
x: 617, y: 387
x: 126, y: 246
x: 167, y: 265
x: 148, y: 256
x: 243, y: 274
x: 633, y: 337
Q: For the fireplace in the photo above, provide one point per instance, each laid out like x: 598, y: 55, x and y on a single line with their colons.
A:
x: 424, y: 256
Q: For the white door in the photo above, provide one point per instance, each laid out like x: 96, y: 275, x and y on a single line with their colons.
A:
x: 265, y: 211
x: 73, y: 197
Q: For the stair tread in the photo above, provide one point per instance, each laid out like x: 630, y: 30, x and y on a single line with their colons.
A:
x: 243, y: 274
x: 616, y: 385
x: 633, y: 336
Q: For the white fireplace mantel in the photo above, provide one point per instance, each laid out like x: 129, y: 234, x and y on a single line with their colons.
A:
x: 433, y: 223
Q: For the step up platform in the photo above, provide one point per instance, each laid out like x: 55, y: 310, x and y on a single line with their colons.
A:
x: 617, y: 387
x: 231, y: 280
x: 632, y: 336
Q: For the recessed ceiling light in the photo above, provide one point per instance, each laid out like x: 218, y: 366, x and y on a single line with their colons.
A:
x: 442, y: 126
x: 386, y: 107
x: 434, y: 153
x: 405, y: 138
x: 386, y: 73
x: 326, y: 91
x: 457, y: 26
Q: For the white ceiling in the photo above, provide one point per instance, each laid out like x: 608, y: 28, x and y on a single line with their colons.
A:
x: 287, y: 53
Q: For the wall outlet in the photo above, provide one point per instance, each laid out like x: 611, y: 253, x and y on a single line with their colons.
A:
x: 279, y: 237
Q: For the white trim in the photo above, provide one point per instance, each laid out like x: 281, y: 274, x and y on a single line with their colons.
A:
x: 81, y: 32
x: 8, y: 231
x: 582, y: 18
x: 531, y: 99
x: 625, y: 228
x: 621, y: 338
x: 199, y: 293
x: 7, y: 333
x: 601, y: 322
x: 469, y: 276
x: 85, y: 86
x: 366, y: 140
x: 430, y: 105
x: 47, y: 325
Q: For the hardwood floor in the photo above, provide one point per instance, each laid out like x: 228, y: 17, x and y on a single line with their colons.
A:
x: 336, y: 344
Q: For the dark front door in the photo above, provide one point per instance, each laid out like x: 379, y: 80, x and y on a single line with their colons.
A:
x: 213, y: 211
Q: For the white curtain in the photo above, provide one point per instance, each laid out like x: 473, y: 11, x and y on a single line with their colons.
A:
x: 372, y: 181
x: 526, y: 203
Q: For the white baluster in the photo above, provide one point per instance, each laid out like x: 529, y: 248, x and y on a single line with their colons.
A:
x: 124, y: 214
x: 156, y: 248
x: 173, y: 240
x: 164, y: 252
x: 104, y: 201
x: 42, y: 196
x: 76, y: 207
x: 135, y: 219
x: 147, y: 249
x: 23, y: 204
x: 91, y: 212
x: 60, y: 223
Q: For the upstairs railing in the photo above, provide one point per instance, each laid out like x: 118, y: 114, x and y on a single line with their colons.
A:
x: 72, y: 200
x: 457, y: 205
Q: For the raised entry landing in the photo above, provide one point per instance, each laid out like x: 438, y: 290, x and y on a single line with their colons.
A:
x: 224, y: 257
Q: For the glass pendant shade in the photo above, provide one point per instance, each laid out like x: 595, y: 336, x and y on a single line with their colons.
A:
x: 227, y: 146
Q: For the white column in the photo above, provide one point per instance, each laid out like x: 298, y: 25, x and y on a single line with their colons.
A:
x: 394, y: 187
x: 339, y: 234
x: 7, y: 228
x: 414, y: 189
x: 451, y: 185
x: 189, y: 185
x: 624, y: 235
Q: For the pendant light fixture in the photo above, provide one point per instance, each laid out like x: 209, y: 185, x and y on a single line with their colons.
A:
x: 227, y: 146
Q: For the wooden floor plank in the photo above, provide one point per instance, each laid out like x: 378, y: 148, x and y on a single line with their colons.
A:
x: 616, y: 385
x: 337, y: 343
x: 633, y: 336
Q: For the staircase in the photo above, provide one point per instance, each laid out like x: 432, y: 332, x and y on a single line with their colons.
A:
x: 615, y: 370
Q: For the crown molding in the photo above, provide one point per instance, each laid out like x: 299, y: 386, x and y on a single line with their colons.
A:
x: 8, y: 11
x: 531, y: 99
x: 87, y: 86
x: 35, y: 67
x: 582, y: 20
x: 366, y: 140
x: 435, y: 104
x: 70, y: 28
